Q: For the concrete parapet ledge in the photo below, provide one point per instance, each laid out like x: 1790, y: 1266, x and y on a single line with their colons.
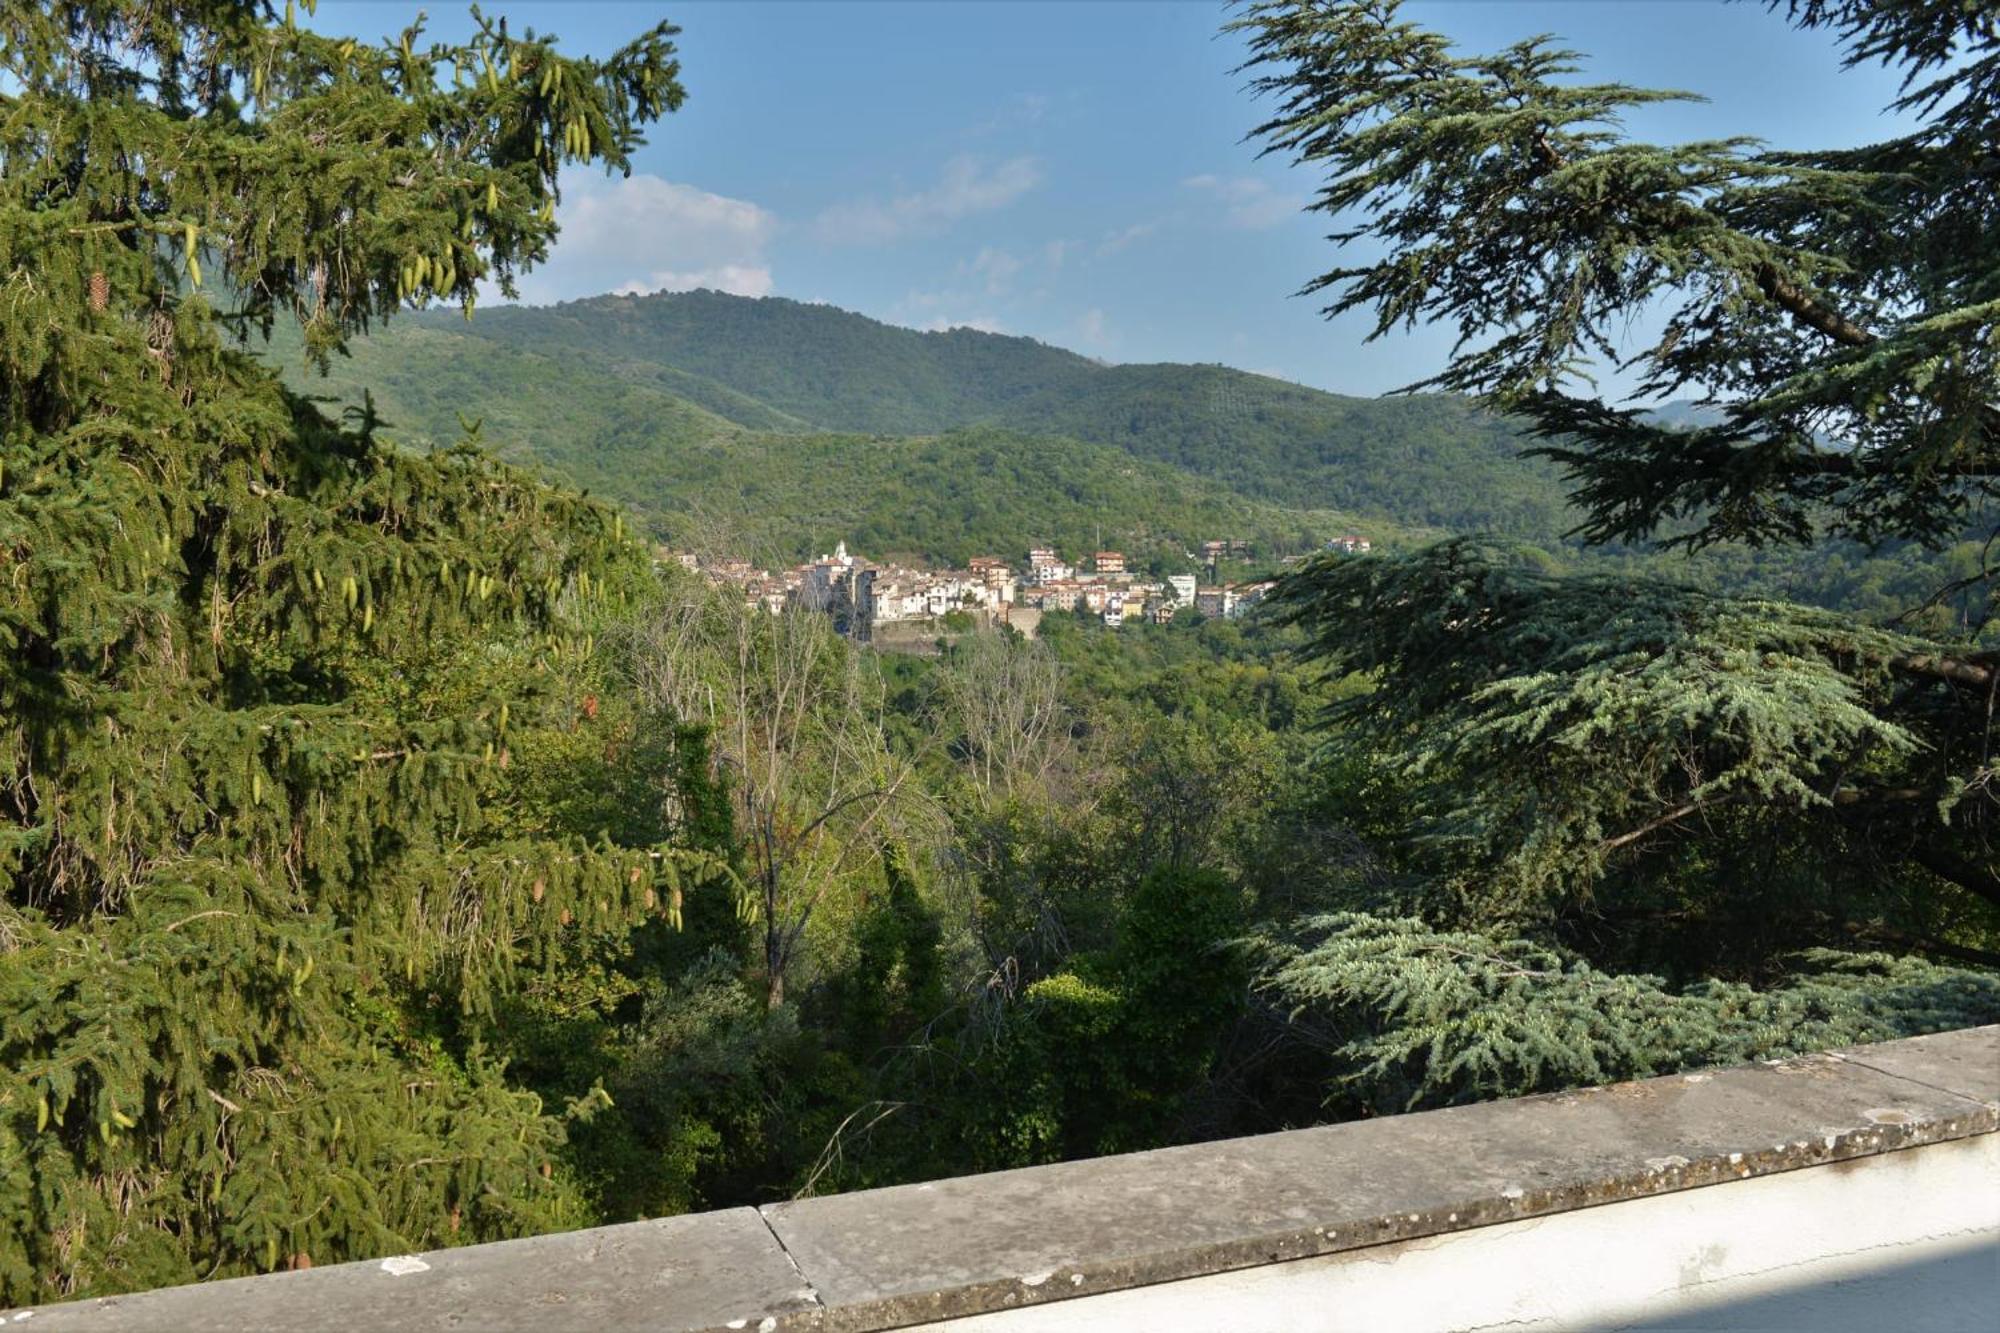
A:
x: 700, y: 1271
x: 888, y: 1258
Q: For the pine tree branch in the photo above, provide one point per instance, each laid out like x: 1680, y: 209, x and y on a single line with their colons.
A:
x: 1979, y: 880
x: 1808, y: 310
x: 1965, y: 670
x: 1673, y: 816
x: 1861, y: 795
x: 1868, y: 931
x: 1861, y: 932
x: 1986, y: 574
x: 214, y: 911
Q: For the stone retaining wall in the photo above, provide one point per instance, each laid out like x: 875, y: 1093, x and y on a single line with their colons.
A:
x: 1788, y: 1194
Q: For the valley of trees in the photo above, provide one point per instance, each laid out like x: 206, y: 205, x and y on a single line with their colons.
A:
x: 393, y: 856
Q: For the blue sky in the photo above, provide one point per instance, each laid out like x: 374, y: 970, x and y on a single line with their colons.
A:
x: 1074, y: 172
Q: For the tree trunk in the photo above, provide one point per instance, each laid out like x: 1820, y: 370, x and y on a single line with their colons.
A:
x: 774, y: 960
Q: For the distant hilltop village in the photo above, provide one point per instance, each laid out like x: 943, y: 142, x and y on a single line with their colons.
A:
x: 867, y: 598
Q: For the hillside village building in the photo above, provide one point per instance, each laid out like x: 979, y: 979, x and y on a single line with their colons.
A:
x: 1045, y: 566
x: 862, y: 595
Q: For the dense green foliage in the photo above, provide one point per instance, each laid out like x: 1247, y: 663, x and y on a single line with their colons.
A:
x: 701, y: 480
x: 1414, y: 1016
x: 259, y: 890
x: 839, y: 371
x: 944, y: 500
x: 426, y: 386
x: 1690, y: 782
x: 1760, y: 770
x: 1425, y: 462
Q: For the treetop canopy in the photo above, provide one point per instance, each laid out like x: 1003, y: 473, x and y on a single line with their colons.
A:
x: 1840, y: 308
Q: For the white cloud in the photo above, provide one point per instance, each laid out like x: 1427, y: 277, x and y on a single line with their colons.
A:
x: 982, y: 323
x: 915, y: 311
x: 995, y: 267
x: 643, y: 234
x: 1091, y: 328
x: 736, y: 279
x: 1248, y: 201
x: 1021, y: 109
x: 1118, y: 240
x: 965, y: 188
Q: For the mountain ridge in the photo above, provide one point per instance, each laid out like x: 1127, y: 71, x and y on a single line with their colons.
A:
x: 698, y: 477
x: 1427, y: 460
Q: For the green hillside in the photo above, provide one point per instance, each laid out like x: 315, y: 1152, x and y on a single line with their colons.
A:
x: 838, y: 370
x: 700, y: 478
x: 737, y: 408
x: 947, y: 498
x: 779, y: 365
x: 1431, y: 460
x: 596, y: 427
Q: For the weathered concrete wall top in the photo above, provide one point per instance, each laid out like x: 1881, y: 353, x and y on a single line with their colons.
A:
x: 966, y: 1246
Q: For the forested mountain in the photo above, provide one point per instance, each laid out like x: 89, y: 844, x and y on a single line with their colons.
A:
x: 1429, y: 459
x: 838, y: 370
x: 587, y: 385
x: 943, y: 499
x: 428, y: 385
x: 700, y: 478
